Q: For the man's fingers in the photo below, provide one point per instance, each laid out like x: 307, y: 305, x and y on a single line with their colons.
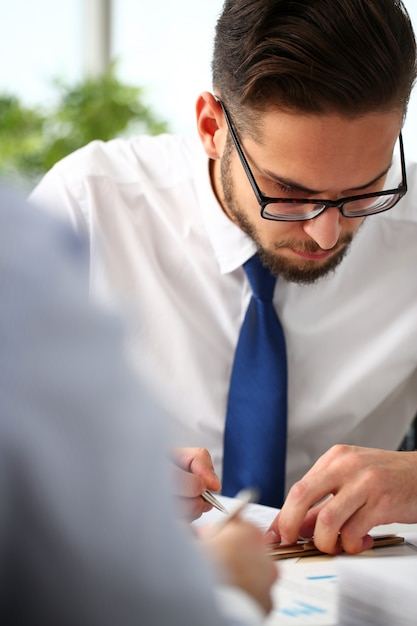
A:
x: 183, y: 457
x: 197, y: 461
x: 297, y: 509
x: 193, y: 508
x: 202, y: 465
x: 187, y: 485
x: 330, y: 519
x: 363, y: 487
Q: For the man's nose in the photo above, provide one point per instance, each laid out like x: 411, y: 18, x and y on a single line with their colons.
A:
x: 325, y: 228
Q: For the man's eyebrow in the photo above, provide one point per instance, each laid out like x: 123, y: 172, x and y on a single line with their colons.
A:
x: 296, y: 186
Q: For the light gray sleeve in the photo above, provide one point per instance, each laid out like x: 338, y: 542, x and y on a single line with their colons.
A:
x: 87, y: 531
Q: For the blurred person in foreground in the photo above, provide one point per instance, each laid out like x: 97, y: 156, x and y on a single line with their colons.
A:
x: 88, y: 533
x: 299, y: 163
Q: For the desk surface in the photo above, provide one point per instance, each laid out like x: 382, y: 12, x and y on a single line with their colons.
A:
x: 308, y: 590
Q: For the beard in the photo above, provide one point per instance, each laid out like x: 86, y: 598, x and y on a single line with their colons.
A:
x: 304, y: 271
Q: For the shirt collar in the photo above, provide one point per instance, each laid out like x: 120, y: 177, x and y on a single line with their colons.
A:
x: 231, y: 245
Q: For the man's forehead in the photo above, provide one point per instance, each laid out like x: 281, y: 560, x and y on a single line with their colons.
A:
x: 321, y: 152
x: 287, y: 123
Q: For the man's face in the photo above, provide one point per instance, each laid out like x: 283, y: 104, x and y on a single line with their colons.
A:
x: 305, y: 156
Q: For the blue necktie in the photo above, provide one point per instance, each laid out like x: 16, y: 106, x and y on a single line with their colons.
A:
x: 255, y: 439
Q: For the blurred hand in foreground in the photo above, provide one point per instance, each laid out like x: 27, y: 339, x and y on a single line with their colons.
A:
x: 238, y: 550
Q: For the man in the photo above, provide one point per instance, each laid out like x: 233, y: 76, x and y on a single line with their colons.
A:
x: 309, y: 100
x: 87, y: 523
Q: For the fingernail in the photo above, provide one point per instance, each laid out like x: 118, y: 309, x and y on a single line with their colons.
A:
x: 285, y: 542
x: 271, y: 537
x: 367, y: 542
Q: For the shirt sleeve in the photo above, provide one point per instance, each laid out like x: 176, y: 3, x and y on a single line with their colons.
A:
x: 59, y: 193
x: 237, y: 607
x: 87, y: 524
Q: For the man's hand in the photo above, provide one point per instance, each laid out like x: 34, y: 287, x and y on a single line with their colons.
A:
x: 357, y: 489
x: 193, y: 473
x: 238, y: 551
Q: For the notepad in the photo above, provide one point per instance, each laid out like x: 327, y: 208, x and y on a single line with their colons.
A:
x: 307, y: 547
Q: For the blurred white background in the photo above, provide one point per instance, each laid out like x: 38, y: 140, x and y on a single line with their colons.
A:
x: 162, y: 46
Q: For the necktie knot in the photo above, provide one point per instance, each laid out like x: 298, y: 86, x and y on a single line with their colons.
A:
x: 260, y: 278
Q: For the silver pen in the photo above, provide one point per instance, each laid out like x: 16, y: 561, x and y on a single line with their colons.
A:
x: 211, y: 499
x: 244, y: 497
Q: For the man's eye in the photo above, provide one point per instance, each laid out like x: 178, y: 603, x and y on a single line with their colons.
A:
x: 279, y: 189
x: 284, y: 188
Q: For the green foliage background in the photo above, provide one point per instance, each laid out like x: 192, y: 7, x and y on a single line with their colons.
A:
x: 32, y: 139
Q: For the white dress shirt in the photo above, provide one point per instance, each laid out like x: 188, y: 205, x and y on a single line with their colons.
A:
x: 161, y: 245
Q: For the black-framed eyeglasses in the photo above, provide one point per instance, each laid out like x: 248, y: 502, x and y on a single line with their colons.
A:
x: 299, y: 209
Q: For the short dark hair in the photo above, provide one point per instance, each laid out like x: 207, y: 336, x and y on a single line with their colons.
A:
x: 314, y: 56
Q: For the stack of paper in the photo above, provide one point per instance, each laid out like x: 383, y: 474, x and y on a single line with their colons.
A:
x: 377, y: 592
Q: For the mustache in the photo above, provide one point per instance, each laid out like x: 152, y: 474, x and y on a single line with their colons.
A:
x: 311, y: 247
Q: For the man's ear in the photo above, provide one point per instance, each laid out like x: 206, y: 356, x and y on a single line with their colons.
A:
x: 211, y: 125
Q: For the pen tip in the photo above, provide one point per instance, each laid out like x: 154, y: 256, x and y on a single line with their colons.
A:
x: 250, y: 494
